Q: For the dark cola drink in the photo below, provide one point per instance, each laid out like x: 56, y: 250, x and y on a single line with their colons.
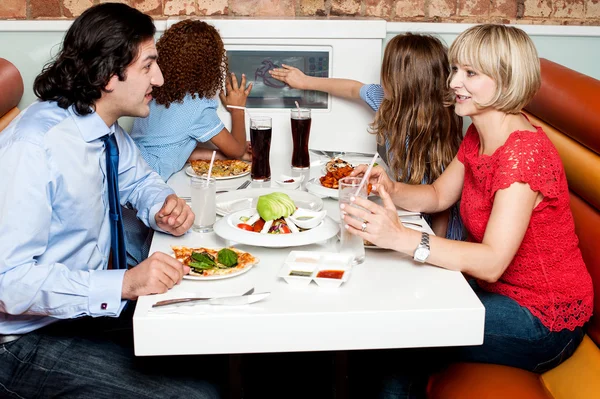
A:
x: 260, y: 138
x: 301, y: 122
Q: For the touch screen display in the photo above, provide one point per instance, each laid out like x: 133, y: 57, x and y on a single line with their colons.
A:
x: 268, y: 92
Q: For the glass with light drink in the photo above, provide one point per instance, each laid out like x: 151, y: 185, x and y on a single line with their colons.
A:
x: 260, y: 138
x: 203, y: 193
x: 301, y: 121
x: 350, y: 243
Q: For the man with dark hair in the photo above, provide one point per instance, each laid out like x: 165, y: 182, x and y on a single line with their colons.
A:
x: 71, y: 167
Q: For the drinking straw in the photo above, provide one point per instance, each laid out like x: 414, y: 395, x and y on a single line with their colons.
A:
x: 367, y: 173
x: 212, y: 161
x: 297, y: 106
x: 238, y: 107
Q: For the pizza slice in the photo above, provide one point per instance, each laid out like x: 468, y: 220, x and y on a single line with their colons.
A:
x: 212, y: 262
x: 221, y: 168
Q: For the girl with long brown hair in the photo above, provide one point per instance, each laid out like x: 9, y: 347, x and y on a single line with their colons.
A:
x: 421, y: 133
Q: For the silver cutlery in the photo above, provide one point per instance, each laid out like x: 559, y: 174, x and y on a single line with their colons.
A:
x: 244, y: 185
x: 185, y: 300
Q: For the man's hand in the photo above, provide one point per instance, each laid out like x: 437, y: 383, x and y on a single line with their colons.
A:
x: 294, y: 77
x: 156, y: 275
x: 236, y: 94
x: 175, y: 216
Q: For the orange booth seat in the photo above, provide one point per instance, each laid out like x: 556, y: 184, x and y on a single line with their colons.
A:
x: 11, y: 90
x: 568, y: 108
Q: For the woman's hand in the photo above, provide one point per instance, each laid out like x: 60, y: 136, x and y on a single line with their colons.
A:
x: 383, y: 226
x: 294, y: 77
x: 378, y: 178
x: 236, y: 94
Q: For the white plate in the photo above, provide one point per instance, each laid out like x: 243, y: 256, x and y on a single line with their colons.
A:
x: 190, y: 172
x: 314, y: 186
x: 238, y: 200
x: 227, y: 228
x: 219, y: 277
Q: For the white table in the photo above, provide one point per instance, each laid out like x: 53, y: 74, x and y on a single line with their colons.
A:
x: 390, y: 301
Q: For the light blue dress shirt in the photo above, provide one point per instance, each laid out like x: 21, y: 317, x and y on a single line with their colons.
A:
x: 168, y: 136
x: 373, y: 95
x: 54, y: 226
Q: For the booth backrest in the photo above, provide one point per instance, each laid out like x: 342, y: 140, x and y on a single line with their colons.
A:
x: 568, y: 108
x: 11, y: 90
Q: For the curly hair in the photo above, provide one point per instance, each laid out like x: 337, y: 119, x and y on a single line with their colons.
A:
x: 101, y: 43
x: 422, y: 129
x: 191, y: 56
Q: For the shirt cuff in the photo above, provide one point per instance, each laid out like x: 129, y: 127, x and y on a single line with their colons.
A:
x: 106, y: 287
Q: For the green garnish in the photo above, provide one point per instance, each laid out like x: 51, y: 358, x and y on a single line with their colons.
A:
x: 200, y: 265
x: 227, y: 257
x: 203, y: 257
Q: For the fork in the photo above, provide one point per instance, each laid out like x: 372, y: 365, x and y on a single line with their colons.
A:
x: 183, y: 300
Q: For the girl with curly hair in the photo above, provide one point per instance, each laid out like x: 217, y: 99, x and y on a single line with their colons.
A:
x: 420, y: 130
x: 183, y: 112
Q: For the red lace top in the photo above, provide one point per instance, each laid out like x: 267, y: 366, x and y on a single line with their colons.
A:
x: 547, y: 274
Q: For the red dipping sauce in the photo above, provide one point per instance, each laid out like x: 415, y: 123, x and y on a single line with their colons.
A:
x: 330, y: 274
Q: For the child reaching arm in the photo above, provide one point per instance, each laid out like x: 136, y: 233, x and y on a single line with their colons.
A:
x: 183, y: 112
x: 232, y: 145
x: 420, y: 132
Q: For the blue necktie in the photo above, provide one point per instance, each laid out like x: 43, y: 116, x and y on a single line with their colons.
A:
x: 117, y: 234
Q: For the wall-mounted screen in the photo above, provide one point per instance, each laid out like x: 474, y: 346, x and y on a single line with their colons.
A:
x: 268, y: 92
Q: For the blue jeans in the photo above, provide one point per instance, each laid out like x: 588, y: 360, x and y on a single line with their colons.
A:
x: 512, y: 337
x: 93, y: 358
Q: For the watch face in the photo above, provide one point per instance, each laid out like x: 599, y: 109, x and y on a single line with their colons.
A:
x: 421, y: 254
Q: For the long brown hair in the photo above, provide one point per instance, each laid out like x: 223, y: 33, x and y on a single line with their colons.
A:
x: 191, y: 56
x: 422, y: 130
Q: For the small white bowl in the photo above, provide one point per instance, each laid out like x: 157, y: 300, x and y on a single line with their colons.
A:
x: 307, y: 219
x: 292, y: 185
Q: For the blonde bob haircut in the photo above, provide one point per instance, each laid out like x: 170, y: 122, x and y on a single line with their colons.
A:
x: 508, y: 56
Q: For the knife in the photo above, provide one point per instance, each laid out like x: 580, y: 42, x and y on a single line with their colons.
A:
x: 226, y: 300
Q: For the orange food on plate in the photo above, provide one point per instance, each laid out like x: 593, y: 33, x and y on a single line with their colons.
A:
x: 331, y: 179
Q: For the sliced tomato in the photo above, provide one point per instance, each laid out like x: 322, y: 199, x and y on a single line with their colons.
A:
x: 283, y: 229
x: 245, y: 226
x: 258, y: 226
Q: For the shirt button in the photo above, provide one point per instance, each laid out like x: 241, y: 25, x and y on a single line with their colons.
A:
x: 103, y: 306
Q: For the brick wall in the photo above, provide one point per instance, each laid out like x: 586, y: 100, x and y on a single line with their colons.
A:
x: 555, y: 12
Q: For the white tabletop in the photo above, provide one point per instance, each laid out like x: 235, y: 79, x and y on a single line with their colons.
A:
x: 390, y: 301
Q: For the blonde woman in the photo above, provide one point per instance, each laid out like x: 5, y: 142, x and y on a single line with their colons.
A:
x: 522, y: 250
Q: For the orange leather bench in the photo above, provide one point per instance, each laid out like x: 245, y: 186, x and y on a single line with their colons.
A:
x: 11, y: 90
x: 568, y: 108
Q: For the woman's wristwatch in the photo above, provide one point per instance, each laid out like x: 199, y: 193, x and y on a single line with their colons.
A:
x: 422, y: 251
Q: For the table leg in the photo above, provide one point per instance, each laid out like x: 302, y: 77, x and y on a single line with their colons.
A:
x: 340, y: 362
x: 235, y: 387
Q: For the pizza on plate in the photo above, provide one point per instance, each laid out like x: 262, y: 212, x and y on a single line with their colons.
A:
x: 221, y: 168
x: 198, y: 260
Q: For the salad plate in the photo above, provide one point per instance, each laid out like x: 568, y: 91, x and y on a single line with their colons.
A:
x: 238, y: 200
x: 227, y: 228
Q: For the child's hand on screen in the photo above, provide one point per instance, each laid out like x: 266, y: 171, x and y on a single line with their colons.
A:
x: 294, y: 77
x: 235, y: 95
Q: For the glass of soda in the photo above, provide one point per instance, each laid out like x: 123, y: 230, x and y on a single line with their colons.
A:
x: 260, y: 138
x: 301, y: 120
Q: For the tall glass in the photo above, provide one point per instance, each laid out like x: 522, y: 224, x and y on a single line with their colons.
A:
x: 301, y: 120
x: 260, y: 138
x: 350, y: 243
x: 204, y: 193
